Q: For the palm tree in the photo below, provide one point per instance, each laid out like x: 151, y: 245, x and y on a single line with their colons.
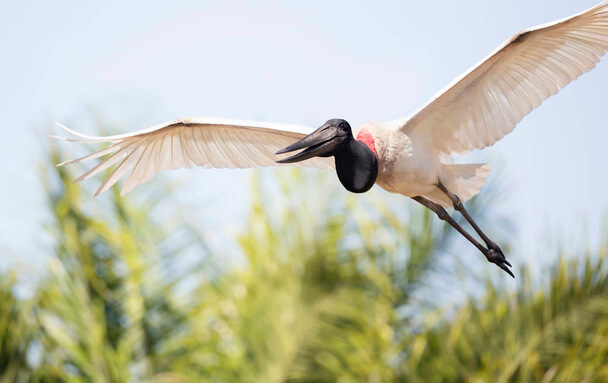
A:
x: 555, y: 333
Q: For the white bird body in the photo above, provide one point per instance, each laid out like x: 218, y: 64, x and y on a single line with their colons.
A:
x: 410, y: 156
x: 412, y: 167
x: 405, y: 167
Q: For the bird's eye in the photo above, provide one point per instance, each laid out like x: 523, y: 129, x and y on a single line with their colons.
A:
x: 342, y: 125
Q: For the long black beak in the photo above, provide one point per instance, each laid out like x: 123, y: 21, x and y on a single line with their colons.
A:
x: 321, y: 142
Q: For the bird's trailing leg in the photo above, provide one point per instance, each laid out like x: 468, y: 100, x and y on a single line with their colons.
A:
x: 491, y: 255
x: 459, y: 206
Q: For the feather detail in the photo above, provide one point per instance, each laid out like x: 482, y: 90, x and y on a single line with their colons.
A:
x: 189, y: 142
x: 484, y: 104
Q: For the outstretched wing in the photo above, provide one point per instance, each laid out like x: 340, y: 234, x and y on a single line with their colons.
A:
x: 189, y: 142
x: 484, y: 104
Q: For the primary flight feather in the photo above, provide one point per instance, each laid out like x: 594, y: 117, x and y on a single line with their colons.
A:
x: 409, y: 156
x: 189, y: 142
x: 485, y: 103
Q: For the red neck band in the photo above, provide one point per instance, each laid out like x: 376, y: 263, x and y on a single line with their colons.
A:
x: 365, y: 137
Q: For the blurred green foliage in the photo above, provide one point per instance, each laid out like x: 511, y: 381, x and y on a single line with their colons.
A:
x: 327, y: 290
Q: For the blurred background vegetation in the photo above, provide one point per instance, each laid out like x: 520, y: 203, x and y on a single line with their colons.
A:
x: 321, y: 286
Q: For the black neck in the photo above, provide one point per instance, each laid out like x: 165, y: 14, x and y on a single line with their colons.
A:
x: 357, y: 166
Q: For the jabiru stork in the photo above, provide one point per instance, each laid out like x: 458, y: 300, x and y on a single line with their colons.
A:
x: 410, y: 156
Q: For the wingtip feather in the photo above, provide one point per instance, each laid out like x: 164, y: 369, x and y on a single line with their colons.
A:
x: 83, y: 138
x: 57, y: 137
x: 71, y: 131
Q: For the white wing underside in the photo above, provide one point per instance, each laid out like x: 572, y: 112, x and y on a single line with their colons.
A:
x: 485, y: 104
x: 189, y: 142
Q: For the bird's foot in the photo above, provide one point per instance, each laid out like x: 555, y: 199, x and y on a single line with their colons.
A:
x: 496, y: 256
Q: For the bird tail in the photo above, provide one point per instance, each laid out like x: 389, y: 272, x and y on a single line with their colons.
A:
x: 465, y: 180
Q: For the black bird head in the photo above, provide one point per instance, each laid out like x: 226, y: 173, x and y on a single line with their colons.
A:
x: 326, y: 141
x: 356, y: 164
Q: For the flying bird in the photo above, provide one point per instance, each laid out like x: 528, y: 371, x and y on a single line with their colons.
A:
x: 411, y: 156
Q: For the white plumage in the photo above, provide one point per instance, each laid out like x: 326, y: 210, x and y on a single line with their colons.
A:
x: 485, y: 103
x: 189, y: 142
x: 414, y: 154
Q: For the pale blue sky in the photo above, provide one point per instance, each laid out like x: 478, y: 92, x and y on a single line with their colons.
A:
x: 301, y: 62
